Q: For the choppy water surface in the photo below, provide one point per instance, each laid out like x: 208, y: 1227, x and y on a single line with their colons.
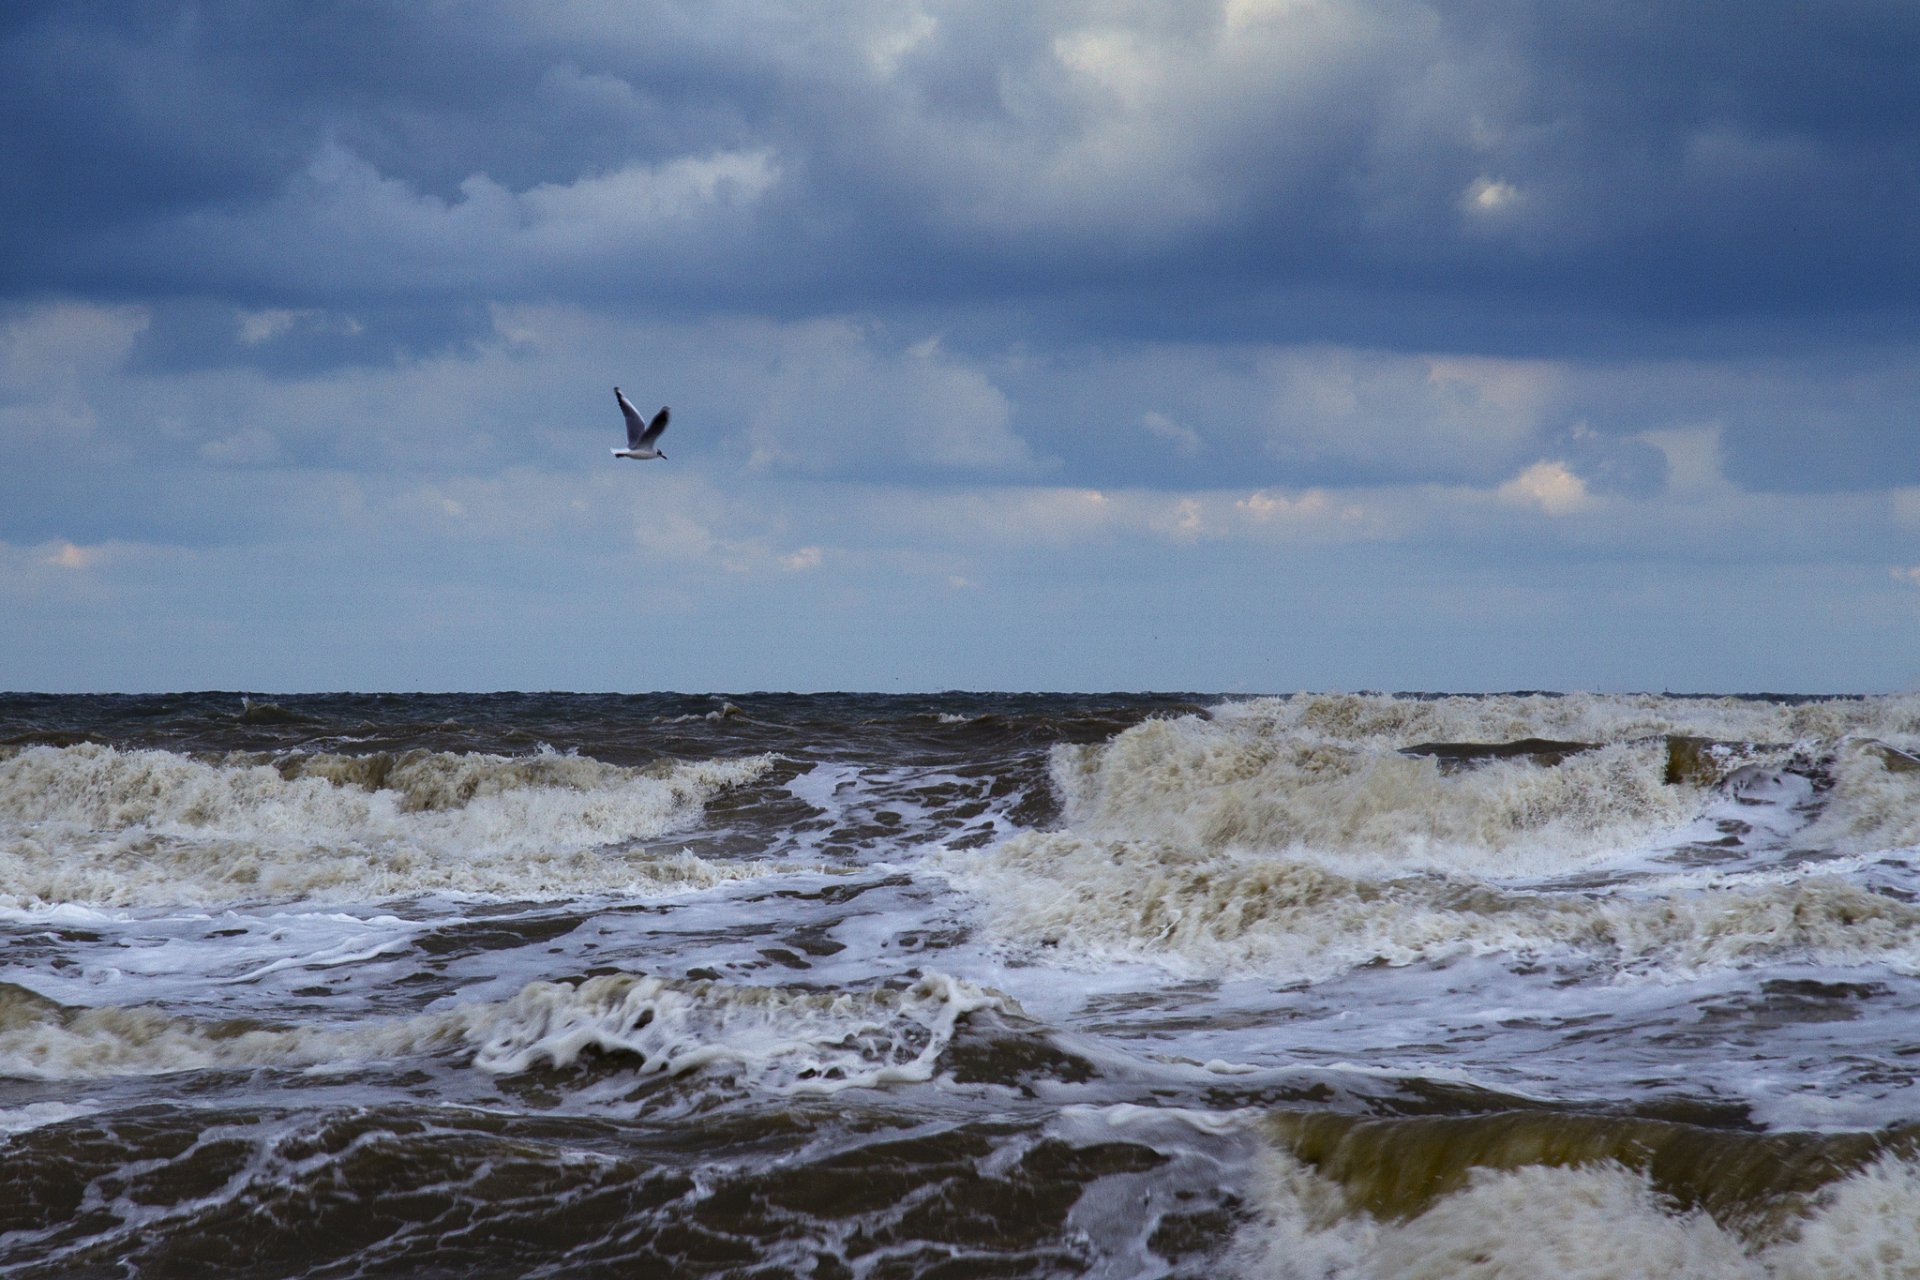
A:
x: 958, y: 986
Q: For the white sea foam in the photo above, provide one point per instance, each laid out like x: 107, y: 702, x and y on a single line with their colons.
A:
x: 798, y: 1041
x: 104, y: 827
x: 1296, y: 837
x: 1248, y: 783
x: 37, y: 1115
x: 1875, y: 803
x: 1379, y: 720
x: 1094, y: 900
x: 1590, y: 1222
x: 43, y: 1040
x: 1866, y: 1227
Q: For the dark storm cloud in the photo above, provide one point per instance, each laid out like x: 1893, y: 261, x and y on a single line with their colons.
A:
x: 1112, y: 216
x: 110, y: 118
x: 1730, y: 155
x: 1599, y: 161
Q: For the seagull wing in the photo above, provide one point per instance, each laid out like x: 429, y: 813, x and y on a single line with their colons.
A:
x: 653, y: 432
x: 636, y: 425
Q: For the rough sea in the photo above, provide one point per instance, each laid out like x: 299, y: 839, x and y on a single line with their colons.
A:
x: 1327, y: 986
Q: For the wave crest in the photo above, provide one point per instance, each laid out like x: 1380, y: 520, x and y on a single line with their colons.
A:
x: 103, y: 826
x: 801, y: 1041
x: 1587, y: 1199
x: 1383, y: 720
x: 796, y: 1041
x: 1219, y: 785
x: 1217, y: 912
x: 1875, y: 802
x: 431, y: 781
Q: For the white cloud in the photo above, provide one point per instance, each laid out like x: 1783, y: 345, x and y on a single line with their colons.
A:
x: 1047, y: 521
x: 1029, y: 516
x: 1184, y: 439
x: 1184, y: 520
x: 1489, y: 195
x: 888, y: 489
x: 911, y: 27
x: 54, y: 359
x: 1551, y: 487
x: 68, y: 555
x: 1693, y: 456
x: 1135, y: 124
x: 62, y: 569
x: 1448, y: 417
x: 58, y: 344
x: 1263, y: 506
x: 257, y: 327
x: 631, y: 204
x: 248, y: 447
x: 367, y: 228
x: 839, y: 401
x: 1489, y: 204
x: 801, y: 560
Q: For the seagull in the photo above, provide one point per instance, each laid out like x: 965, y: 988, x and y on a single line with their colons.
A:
x: 640, y: 433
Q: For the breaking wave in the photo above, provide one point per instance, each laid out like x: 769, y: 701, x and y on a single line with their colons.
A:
x: 1386, y: 721
x: 102, y: 826
x: 1090, y: 900
x: 1512, y: 785
x: 799, y: 1041
x: 1875, y: 802
x: 1313, y: 834
x: 796, y: 1041
x: 1220, y: 785
x: 1578, y: 1197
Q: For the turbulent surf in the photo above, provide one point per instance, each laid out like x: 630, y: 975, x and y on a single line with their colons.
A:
x: 1329, y: 986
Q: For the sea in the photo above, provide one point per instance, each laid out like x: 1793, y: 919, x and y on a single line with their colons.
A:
x: 1337, y: 986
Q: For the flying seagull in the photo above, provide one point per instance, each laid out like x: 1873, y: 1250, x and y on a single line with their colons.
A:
x: 641, y: 434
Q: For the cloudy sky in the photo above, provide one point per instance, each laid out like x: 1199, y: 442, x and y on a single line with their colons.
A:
x: 1220, y: 345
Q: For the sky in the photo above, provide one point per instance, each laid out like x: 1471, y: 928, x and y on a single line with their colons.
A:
x: 1212, y: 345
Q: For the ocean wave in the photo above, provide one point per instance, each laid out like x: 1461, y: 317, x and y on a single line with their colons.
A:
x: 1088, y: 900
x: 798, y: 1041
x: 1309, y: 835
x: 795, y: 1041
x: 102, y: 826
x: 1210, y: 785
x: 41, y: 1039
x: 264, y: 712
x: 1578, y: 1197
x: 1516, y: 786
x: 1875, y: 802
x: 38, y: 1115
x: 1382, y: 720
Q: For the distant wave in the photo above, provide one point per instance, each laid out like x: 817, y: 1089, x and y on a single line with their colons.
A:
x: 102, y: 826
x: 252, y: 712
x: 1394, y: 721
